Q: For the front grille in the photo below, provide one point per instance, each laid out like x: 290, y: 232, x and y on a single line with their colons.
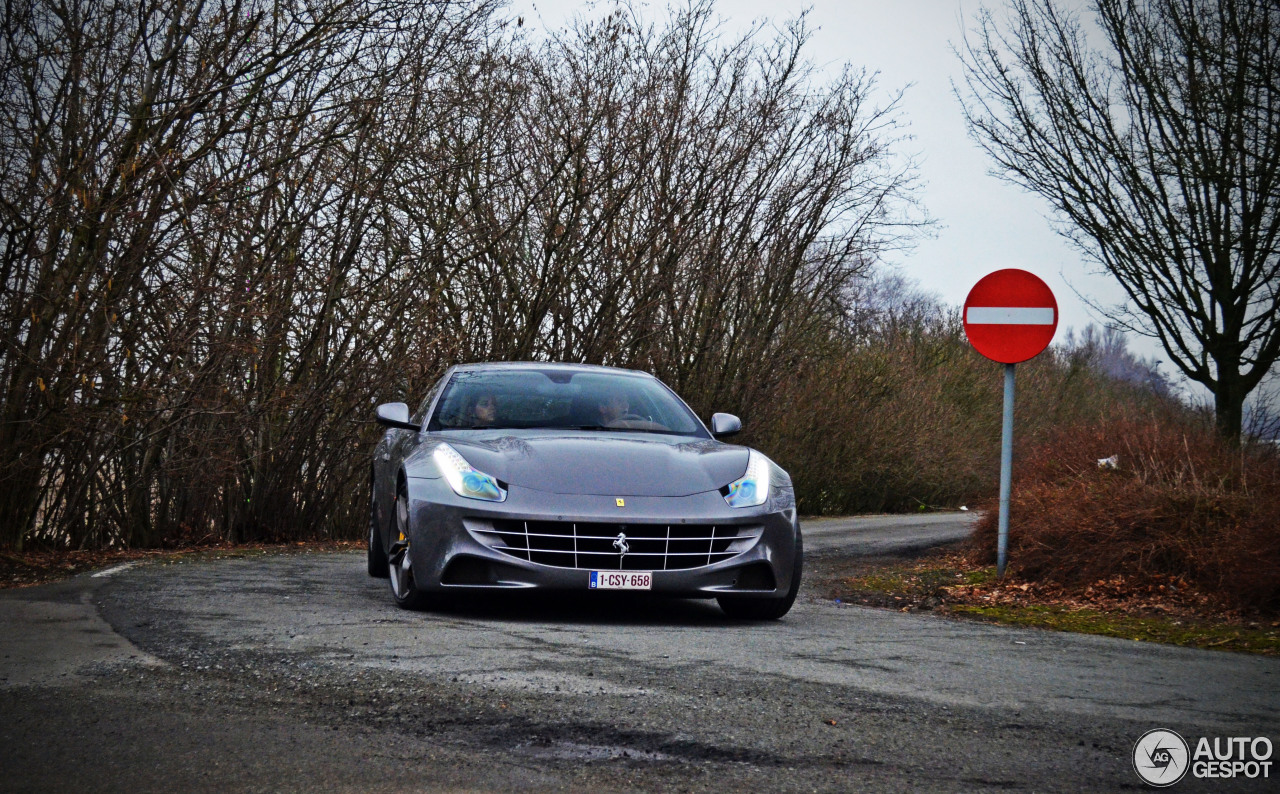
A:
x: 596, y: 546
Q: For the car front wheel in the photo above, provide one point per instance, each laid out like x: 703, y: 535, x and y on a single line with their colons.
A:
x: 404, y: 589
x: 378, y: 567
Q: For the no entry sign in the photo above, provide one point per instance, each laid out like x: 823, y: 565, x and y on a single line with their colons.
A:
x: 1010, y: 316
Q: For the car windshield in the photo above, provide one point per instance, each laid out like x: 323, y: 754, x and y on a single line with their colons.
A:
x: 561, y: 398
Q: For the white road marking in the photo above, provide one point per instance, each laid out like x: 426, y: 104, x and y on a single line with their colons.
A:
x: 1009, y: 315
x: 113, y: 570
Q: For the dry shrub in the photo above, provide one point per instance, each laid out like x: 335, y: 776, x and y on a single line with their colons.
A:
x: 1182, y: 503
x: 898, y: 412
x: 885, y: 427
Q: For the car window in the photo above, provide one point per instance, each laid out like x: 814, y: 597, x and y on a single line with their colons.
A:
x: 560, y: 398
x: 420, y: 414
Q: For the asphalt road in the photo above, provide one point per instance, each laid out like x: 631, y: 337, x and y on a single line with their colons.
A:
x: 870, y: 536
x: 295, y: 672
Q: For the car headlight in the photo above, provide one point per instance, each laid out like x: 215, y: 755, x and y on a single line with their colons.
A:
x: 752, y: 488
x: 464, y: 479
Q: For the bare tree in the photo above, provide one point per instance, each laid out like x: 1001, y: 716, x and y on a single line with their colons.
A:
x: 662, y: 197
x: 200, y: 270
x: 1159, y: 149
x: 1107, y: 351
x: 229, y: 228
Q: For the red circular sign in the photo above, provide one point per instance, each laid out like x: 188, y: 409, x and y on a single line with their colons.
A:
x: 1010, y: 316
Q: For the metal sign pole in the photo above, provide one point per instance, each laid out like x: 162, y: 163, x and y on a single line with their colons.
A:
x: 1006, y: 470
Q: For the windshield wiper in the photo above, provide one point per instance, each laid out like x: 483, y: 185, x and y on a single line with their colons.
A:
x: 598, y: 428
x: 619, y: 429
x: 649, y: 430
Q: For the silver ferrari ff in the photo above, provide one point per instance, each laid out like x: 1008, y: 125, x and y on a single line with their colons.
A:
x: 574, y: 477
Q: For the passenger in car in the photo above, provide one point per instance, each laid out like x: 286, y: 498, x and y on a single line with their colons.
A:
x: 485, y: 411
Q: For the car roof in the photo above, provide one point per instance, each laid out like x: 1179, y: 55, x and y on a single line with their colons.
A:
x: 487, y: 366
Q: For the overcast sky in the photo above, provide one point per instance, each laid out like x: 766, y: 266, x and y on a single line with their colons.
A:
x: 984, y: 223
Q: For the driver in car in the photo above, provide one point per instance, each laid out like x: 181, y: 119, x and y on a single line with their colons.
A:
x: 485, y: 411
x: 615, y: 407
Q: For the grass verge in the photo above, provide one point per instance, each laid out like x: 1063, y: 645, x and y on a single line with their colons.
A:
x: 1161, y: 629
x: 1163, y: 610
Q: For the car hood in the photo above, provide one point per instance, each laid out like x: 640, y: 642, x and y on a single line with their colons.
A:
x: 604, y: 463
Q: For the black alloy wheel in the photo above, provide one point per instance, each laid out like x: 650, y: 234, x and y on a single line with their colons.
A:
x: 404, y: 589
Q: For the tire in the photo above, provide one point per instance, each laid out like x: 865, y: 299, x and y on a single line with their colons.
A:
x: 747, y: 608
x: 404, y: 588
x: 378, y: 567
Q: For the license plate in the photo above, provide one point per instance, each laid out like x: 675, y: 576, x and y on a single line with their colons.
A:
x: 621, y: 580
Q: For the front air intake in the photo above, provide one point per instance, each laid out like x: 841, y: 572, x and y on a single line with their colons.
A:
x: 624, y: 547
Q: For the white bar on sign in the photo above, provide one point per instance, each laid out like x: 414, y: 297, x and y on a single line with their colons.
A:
x: 1009, y: 315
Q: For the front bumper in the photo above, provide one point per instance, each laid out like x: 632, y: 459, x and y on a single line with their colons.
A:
x: 447, y: 555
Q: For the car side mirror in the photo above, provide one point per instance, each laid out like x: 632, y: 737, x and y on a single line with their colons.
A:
x: 396, y: 415
x: 725, y: 425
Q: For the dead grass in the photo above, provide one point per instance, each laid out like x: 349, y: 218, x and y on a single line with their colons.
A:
x: 1170, y: 611
x: 1183, y: 510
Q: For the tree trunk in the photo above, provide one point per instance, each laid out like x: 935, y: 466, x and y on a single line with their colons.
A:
x: 1228, y: 401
